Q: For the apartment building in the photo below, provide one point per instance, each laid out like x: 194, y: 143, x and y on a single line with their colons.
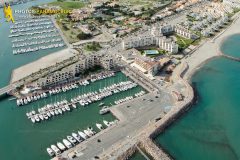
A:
x: 183, y: 32
x: 147, y: 40
x: 69, y: 72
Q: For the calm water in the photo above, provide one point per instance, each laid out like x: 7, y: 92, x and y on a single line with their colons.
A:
x: 137, y: 156
x: 210, y: 130
x: 22, y: 140
x: 8, y: 61
x: 231, y: 46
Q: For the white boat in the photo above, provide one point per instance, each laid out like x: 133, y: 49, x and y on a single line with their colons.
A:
x: 87, y: 133
x: 101, y: 104
x: 77, y: 137
x: 37, y: 118
x: 106, y: 123
x: 49, y: 114
x: 50, y: 152
x: 63, y: 109
x: 56, y: 112
x: 59, y: 110
x: 52, y: 112
x: 55, y: 149
x: 67, y: 108
x: 83, y: 135
x: 104, y: 110
x: 33, y: 119
x: 45, y: 116
x: 74, y: 105
x: 61, y: 146
x: 99, y: 126
x: 67, y: 143
x: 90, y: 129
x: 41, y: 117
x: 71, y: 139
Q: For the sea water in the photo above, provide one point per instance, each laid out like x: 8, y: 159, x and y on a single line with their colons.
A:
x: 210, y: 130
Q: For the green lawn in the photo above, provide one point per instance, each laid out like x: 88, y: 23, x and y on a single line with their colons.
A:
x: 68, y: 5
x: 92, y: 47
x: 183, y: 42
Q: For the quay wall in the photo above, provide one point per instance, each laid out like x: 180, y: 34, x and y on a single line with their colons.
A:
x: 180, y: 108
x: 145, y: 86
x: 154, y: 151
x: 158, y: 127
x: 128, y: 153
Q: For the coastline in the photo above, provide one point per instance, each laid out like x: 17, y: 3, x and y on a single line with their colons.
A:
x: 41, y: 63
x: 209, y: 50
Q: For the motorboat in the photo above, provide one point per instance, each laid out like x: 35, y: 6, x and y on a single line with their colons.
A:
x: 90, y: 129
x: 74, y: 105
x: 56, y: 112
x: 52, y: 112
x: 59, y: 110
x: 63, y: 109
x: 37, y: 118
x: 67, y: 107
x: 41, y: 117
x: 61, y: 146
x: 87, y: 133
x: 50, y: 152
x: 83, y: 135
x: 67, y: 143
x: 99, y: 126
x: 77, y: 137
x: 104, y: 110
x: 55, y: 149
x: 106, y: 123
x: 101, y: 104
x: 33, y: 119
x: 71, y: 139
x: 49, y: 114
x: 45, y: 116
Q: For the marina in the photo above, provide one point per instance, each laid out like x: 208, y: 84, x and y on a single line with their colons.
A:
x: 76, y: 138
x: 58, y: 108
x: 30, y: 136
x: 62, y: 88
x: 40, y: 28
x: 57, y: 129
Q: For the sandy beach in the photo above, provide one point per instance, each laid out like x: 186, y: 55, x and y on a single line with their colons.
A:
x: 41, y: 63
x: 210, y: 49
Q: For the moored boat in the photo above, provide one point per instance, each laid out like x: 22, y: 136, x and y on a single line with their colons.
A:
x: 61, y: 146
x: 55, y: 149
x: 50, y: 152
x: 67, y: 143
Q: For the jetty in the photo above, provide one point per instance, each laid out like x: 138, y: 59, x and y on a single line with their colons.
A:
x: 231, y: 57
x: 8, y: 88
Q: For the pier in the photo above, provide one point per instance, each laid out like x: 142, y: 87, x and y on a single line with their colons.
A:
x: 231, y: 57
x: 7, y: 89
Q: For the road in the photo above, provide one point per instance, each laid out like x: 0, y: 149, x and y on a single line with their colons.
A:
x: 133, y: 119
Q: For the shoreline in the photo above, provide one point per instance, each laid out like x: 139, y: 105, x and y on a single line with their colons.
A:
x: 215, y: 52
x: 41, y: 63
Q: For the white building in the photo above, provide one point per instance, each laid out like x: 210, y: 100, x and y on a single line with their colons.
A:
x: 139, y: 41
x: 232, y: 3
x: 70, y: 72
x: 162, y: 30
x: 168, y: 45
x: 183, y: 32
